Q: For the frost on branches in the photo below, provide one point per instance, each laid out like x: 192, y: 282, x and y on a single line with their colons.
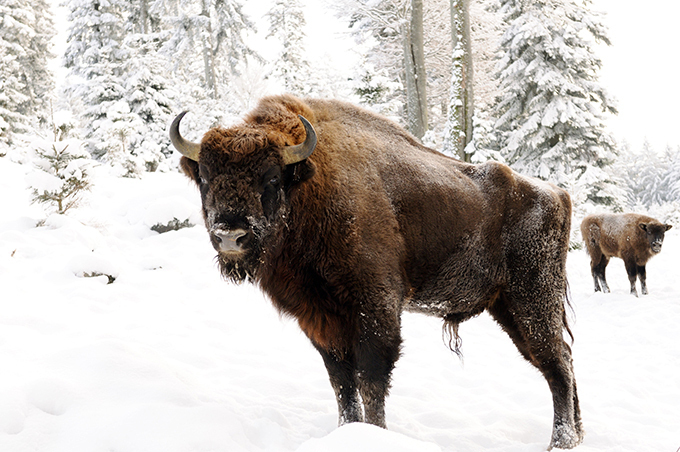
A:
x: 62, y: 176
x: 26, y: 30
x: 550, y: 115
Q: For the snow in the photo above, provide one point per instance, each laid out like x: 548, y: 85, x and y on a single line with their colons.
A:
x: 170, y: 358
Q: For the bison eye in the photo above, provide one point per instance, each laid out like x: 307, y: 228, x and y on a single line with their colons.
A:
x: 274, y: 180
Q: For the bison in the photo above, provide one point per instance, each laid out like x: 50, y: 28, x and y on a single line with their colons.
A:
x: 629, y: 236
x: 345, y: 221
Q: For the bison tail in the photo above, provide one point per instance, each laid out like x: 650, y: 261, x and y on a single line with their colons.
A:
x: 450, y: 335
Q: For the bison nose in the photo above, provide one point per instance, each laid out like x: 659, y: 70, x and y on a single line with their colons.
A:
x: 227, y: 241
x: 656, y: 247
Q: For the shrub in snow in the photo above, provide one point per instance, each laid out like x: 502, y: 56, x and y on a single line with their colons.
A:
x: 62, y: 177
x: 172, y: 225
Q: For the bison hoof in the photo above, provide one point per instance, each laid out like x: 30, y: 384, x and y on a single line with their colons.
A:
x: 565, y: 437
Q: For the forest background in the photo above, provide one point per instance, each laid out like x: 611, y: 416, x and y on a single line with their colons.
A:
x: 86, y: 83
x: 115, y: 335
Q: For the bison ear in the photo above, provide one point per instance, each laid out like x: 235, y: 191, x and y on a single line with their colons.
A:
x: 668, y: 226
x: 190, y: 168
x: 643, y: 226
x: 299, y: 172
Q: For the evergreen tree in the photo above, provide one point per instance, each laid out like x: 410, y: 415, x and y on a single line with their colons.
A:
x: 97, y: 57
x: 549, y: 116
x: 63, y: 177
x: 286, y: 23
x: 650, y: 179
x: 669, y: 179
x: 26, y: 30
x: 149, y: 95
x: 149, y: 91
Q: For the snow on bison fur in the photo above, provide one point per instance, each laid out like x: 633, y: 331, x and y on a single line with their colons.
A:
x: 629, y: 236
x: 345, y: 220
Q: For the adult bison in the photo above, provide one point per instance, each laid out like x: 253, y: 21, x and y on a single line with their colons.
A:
x: 629, y: 236
x: 344, y: 220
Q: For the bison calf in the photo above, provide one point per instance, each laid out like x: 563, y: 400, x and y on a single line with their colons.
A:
x: 628, y: 236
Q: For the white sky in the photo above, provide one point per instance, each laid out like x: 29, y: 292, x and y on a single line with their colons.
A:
x: 641, y: 70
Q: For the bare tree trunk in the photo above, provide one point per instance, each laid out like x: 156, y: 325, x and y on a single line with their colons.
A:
x: 414, y: 65
x: 143, y: 16
x: 461, y: 106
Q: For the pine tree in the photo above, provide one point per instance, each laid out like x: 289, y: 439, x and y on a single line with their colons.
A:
x: 286, y: 24
x: 96, y: 57
x: 149, y: 90
x: 549, y: 116
x: 63, y: 177
x: 25, y: 81
x: 150, y: 96
x: 669, y: 176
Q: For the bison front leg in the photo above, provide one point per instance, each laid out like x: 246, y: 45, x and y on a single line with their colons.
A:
x: 632, y: 270
x: 342, y: 375
x: 376, y: 356
x: 642, y: 275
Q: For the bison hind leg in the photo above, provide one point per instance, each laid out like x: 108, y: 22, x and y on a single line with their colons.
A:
x: 535, y: 332
x: 598, y: 268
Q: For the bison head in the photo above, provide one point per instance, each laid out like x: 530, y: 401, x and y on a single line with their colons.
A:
x: 655, y: 234
x: 245, y: 176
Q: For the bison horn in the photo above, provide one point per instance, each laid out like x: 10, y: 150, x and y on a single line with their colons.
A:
x: 186, y: 148
x: 297, y: 153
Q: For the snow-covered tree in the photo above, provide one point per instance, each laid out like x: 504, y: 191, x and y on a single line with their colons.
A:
x: 550, y: 113
x: 26, y: 83
x: 286, y: 25
x: 62, y: 176
x: 649, y: 178
x: 208, y: 44
x: 149, y: 94
x: 96, y: 57
x: 390, y: 30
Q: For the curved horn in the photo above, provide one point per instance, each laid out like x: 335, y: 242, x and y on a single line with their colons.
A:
x: 297, y: 153
x: 186, y: 148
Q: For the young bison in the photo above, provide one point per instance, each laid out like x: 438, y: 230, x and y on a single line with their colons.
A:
x: 628, y: 236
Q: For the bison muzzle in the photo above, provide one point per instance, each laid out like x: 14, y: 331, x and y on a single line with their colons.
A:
x: 345, y: 220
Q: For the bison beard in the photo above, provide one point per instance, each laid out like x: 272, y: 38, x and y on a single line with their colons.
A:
x: 344, y: 220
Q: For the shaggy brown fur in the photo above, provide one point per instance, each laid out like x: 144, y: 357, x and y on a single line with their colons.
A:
x: 629, y: 236
x: 372, y: 224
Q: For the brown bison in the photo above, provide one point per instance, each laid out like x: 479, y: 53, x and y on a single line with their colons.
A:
x: 344, y: 220
x: 628, y: 236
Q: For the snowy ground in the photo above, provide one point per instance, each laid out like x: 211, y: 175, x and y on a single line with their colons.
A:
x: 170, y: 358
